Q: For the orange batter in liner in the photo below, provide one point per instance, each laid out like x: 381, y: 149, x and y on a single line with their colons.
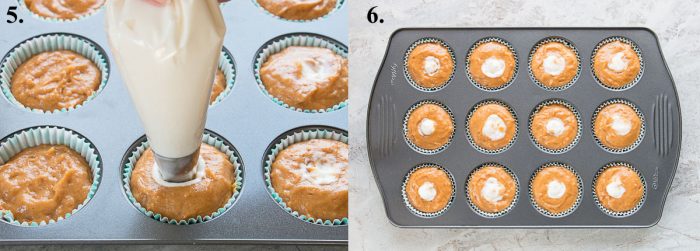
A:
x: 617, y: 126
x: 298, y: 9
x: 501, y: 61
x: 219, y: 86
x: 555, y: 189
x: 554, y: 126
x: 616, y: 64
x: 430, y: 65
x: 429, y: 189
x: 44, y: 183
x: 63, y: 9
x: 619, y: 189
x: 430, y: 127
x: 487, y: 131
x: 491, y: 189
x: 310, y: 177
x: 554, y: 64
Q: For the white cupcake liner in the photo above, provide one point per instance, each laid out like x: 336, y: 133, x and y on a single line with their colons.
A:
x: 228, y: 67
x: 405, y: 128
x: 59, y: 20
x: 207, y: 138
x: 408, y: 203
x: 515, y: 69
x: 471, y: 139
x: 625, y: 213
x: 565, y: 43
x: 408, y: 75
x: 578, y: 198
x: 642, y: 130
x: 51, y: 135
x: 280, y: 43
x: 578, y: 121
x: 496, y: 214
x: 297, y: 136
x: 636, y: 50
x: 338, y: 4
x: 46, y: 43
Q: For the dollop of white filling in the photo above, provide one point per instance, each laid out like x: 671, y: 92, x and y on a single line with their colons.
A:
x: 322, y: 169
x: 198, y: 175
x: 315, y: 71
x: 494, y: 128
x: 427, y: 191
x: 554, y: 64
x: 620, y: 125
x: 492, y: 190
x: 493, y: 67
x: 615, y: 188
x: 618, y: 63
x: 426, y: 127
x: 431, y: 65
x: 555, y: 127
x: 555, y: 189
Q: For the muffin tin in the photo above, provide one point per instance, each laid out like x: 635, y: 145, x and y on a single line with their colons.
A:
x: 247, y: 118
x: 655, y: 157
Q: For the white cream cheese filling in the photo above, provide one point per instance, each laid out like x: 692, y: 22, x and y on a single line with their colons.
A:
x: 615, y: 188
x: 426, y: 127
x: 198, y: 171
x: 555, y: 127
x: 492, y: 190
x: 554, y: 64
x: 555, y: 189
x: 431, y: 65
x: 620, y: 125
x: 618, y: 63
x: 494, y: 128
x: 493, y: 67
x: 427, y: 191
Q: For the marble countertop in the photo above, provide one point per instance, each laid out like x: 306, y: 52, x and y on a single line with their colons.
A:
x: 677, y: 23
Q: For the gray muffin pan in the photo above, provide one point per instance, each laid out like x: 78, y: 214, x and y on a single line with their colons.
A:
x: 246, y: 118
x: 656, y: 157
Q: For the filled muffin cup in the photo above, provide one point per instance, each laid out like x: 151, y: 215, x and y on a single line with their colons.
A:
x: 614, y: 213
x: 470, y: 137
x: 296, y: 39
x: 641, y: 132
x: 566, y: 43
x: 510, y: 207
x: 405, y: 128
x: 408, y: 75
x: 51, y: 135
x: 228, y: 67
x: 636, y: 50
x: 210, y: 138
x: 47, y: 43
x: 338, y: 5
x: 408, y: 203
x: 546, y: 212
x: 59, y: 20
x: 297, y: 136
x: 578, y: 122
x: 471, y: 51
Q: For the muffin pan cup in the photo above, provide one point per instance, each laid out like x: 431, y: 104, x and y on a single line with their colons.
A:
x: 246, y: 118
x: 656, y: 156
x: 537, y: 47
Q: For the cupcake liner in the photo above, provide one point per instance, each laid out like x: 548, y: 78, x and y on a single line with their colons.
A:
x: 483, y: 41
x: 405, y: 128
x: 51, y: 135
x: 613, y: 213
x: 641, y: 131
x: 578, y: 198
x: 58, y: 20
x: 338, y: 4
x: 227, y: 65
x: 416, y: 211
x: 208, y: 138
x: 280, y: 43
x: 471, y: 139
x: 51, y: 42
x: 578, y: 121
x: 567, y: 44
x: 634, y: 47
x: 297, y: 136
x: 408, y: 75
x: 497, y: 214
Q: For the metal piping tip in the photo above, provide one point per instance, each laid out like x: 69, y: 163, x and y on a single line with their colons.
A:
x: 178, y: 170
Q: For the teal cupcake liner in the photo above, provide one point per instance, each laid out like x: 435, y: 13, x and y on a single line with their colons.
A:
x: 279, y: 44
x: 296, y: 137
x: 46, y: 43
x: 207, y: 138
x: 226, y: 65
x: 51, y: 135
x: 58, y: 20
x: 337, y: 6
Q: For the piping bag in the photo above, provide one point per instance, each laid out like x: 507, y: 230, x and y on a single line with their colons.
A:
x: 168, y: 54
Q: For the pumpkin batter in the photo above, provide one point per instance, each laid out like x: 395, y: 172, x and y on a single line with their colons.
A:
x: 310, y: 177
x: 617, y: 126
x: 55, y: 80
x: 44, y: 183
x: 429, y: 189
x: 430, y: 127
x: 181, y: 203
x: 554, y: 126
x: 554, y: 64
x: 430, y: 65
x: 306, y: 77
x: 616, y: 64
x: 219, y: 86
x: 491, y: 189
x: 619, y: 188
x: 492, y: 126
x: 555, y: 189
x: 63, y: 9
x: 492, y: 65
x: 298, y: 9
